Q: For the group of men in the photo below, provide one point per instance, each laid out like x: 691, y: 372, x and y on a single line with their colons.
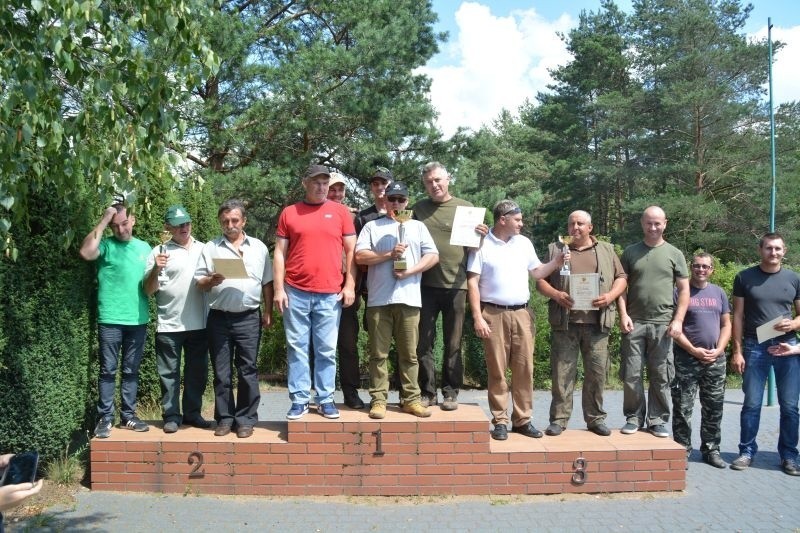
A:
x: 327, y: 258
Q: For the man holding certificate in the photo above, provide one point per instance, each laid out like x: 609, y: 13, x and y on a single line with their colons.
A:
x: 235, y: 319
x: 767, y: 294
x: 582, y: 311
x: 497, y: 285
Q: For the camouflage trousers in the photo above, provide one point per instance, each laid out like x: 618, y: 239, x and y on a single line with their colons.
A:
x: 690, y: 376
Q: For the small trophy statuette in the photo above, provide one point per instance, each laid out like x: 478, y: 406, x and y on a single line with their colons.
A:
x: 402, y: 216
x: 565, y: 242
x: 165, y: 238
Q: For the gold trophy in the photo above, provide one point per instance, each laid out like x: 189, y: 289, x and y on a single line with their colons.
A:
x: 402, y: 216
x: 565, y: 242
x: 165, y: 238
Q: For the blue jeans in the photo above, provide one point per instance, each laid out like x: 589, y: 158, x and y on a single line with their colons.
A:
x: 112, y: 339
x: 787, y: 380
x: 311, y: 316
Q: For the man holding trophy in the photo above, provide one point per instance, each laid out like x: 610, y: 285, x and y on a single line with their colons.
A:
x: 581, y: 313
x: 397, y: 250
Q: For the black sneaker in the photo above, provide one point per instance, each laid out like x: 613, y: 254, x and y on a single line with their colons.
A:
x: 528, y: 430
x: 103, y: 429
x: 500, y: 432
x: 659, y: 430
x: 600, y: 429
x: 135, y: 424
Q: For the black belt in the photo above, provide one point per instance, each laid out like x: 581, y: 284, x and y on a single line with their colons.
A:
x: 506, y: 307
x: 234, y: 313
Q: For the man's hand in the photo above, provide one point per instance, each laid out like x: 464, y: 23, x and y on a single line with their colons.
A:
x: 280, y: 300
x: 347, y: 296
x: 737, y: 363
x: 625, y: 324
x: 563, y: 299
x: 705, y: 355
x: 675, y: 328
x: 482, y: 328
x: 784, y: 348
x: 784, y: 325
x: 604, y: 300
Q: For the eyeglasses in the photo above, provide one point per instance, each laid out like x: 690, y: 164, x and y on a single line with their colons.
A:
x: 396, y: 199
x: 702, y: 267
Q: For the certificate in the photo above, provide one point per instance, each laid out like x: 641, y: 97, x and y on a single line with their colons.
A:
x: 464, y: 223
x: 767, y: 331
x: 583, y: 288
x: 230, y: 268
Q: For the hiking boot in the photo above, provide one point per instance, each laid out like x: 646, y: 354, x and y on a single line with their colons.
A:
x: 135, y: 424
x: 416, y: 409
x: 449, y: 404
x: 377, y: 409
x: 713, y: 458
x: 103, y: 429
x: 297, y: 410
x: 742, y: 462
x: 427, y: 401
x: 554, y: 430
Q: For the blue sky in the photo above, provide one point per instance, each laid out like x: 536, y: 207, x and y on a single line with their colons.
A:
x: 499, y: 51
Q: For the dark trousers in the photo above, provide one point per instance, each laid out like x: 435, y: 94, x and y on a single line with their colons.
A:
x: 347, y: 346
x: 114, y: 338
x: 233, y: 342
x: 194, y: 347
x: 451, y: 303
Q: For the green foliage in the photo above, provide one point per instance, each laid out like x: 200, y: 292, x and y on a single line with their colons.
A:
x: 45, y: 373
x: 82, y: 98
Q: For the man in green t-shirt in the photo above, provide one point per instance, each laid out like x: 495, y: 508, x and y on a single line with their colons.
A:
x: 650, y: 319
x: 122, y: 314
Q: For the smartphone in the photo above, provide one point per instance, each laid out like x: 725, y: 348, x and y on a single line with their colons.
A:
x: 21, y: 469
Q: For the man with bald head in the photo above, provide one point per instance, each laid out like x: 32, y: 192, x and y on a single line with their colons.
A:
x: 581, y: 331
x: 650, y: 316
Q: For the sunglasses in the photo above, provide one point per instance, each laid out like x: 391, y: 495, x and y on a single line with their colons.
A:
x: 701, y: 267
x: 396, y: 199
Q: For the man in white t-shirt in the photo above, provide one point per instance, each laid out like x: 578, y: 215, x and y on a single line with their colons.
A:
x: 498, y: 291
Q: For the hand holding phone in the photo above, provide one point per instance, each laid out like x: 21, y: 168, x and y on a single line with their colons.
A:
x: 21, y: 469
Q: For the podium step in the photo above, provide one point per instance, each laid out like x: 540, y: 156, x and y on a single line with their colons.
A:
x: 449, y: 453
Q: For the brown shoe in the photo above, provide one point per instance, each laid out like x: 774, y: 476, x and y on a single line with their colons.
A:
x: 244, y: 431
x: 377, y: 410
x: 222, y: 430
x: 416, y: 409
x: 449, y: 404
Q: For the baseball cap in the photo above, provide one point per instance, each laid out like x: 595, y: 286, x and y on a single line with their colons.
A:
x: 177, y: 215
x: 397, y: 188
x: 316, y: 170
x: 336, y: 178
x: 382, y: 173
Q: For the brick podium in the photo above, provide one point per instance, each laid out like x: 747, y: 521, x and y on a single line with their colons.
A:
x: 449, y: 453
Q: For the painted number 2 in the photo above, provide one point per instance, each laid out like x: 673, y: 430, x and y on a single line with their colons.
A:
x: 196, y: 459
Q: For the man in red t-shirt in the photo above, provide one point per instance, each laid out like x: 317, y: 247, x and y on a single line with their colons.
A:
x: 311, y: 289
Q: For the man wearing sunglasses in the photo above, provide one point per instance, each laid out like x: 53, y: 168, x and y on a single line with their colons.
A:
x: 700, y: 362
x: 181, y: 330
x: 396, y: 258
x: 122, y: 314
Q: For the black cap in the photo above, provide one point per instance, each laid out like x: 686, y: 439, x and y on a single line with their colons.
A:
x: 316, y: 170
x: 397, y: 188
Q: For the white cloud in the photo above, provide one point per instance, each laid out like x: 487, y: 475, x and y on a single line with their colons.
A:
x: 785, y: 74
x: 496, y: 63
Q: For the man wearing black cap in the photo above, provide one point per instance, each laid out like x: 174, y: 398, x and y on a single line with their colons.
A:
x: 181, y: 322
x: 397, y: 252
x: 310, y: 289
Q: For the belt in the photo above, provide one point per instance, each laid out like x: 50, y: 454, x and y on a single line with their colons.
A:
x: 506, y: 307
x: 234, y: 313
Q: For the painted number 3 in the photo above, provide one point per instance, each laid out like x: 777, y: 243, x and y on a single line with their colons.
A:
x: 579, y: 465
x: 196, y: 459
